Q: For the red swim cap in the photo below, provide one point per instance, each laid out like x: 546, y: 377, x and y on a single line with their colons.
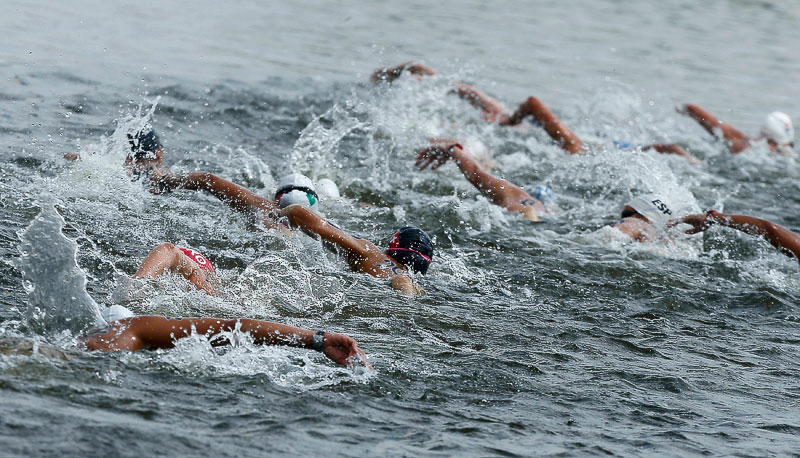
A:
x: 198, y: 258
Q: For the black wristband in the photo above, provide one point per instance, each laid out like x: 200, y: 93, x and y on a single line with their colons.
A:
x: 317, y: 340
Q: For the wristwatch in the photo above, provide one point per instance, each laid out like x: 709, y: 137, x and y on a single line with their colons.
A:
x: 317, y: 340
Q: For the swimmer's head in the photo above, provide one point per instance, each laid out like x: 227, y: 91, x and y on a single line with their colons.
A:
x: 651, y: 207
x: 296, y: 189
x: 116, y: 313
x: 411, y: 247
x: 327, y: 188
x: 778, y: 128
x: 144, y: 144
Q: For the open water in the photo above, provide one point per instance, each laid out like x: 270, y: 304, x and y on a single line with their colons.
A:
x: 554, y: 339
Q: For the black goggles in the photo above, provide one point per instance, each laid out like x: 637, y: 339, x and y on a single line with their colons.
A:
x: 291, y: 188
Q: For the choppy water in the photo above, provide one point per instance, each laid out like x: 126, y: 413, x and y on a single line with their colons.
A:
x: 550, y: 339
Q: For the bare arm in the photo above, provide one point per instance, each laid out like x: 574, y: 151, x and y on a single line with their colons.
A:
x: 781, y: 238
x: 389, y: 74
x: 671, y: 148
x: 737, y: 141
x: 551, y: 123
x: 152, y: 332
x: 238, y: 197
x: 167, y: 257
x: 317, y: 226
x: 501, y: 192
x: 361, y: 255
x: 492, y: 109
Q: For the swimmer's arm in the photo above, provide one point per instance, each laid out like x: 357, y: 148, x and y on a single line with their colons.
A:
x: 671, y: 148
x: 492, y: 109
x: 737, y: 140
x: 780, y: 237
x: 389, y: 74
x: 551, y: 123
x: 499, y: 191
x: 153, y: 332
x: 316, y: 226
x: 238, y: 197
x: 72, y: 156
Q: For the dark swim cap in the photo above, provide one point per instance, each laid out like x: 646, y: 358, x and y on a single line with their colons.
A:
x: 411, y: 247
x: 143, y: 143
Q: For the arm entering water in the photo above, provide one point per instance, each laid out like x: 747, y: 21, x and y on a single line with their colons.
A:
x: 501, y: 192
x: 780, y: 237
x: 736, y: 139
x: 551, y: 123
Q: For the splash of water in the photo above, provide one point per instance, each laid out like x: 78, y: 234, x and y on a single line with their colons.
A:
x: 55, y: 284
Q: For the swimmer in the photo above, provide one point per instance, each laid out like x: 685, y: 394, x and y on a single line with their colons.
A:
x: 644, y: 217
x: 783, y: 239
x: 777, y: 130
x: 124, y: 331
x: 501, y: 192
x: 145, y: 159
x: 409, y: 249
x: 188, y: 263
x: 494, y: 111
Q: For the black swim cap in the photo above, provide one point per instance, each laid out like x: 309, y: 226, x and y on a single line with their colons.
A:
x: 411, y: 247
x: 143, y: 143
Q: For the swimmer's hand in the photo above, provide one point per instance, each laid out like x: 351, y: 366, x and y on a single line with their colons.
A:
x: 436, y: 155
x: 344, y: 350
x: 699, y: 222
x: 162, y: 180
x: 389, y: 74
x: 72, y: 156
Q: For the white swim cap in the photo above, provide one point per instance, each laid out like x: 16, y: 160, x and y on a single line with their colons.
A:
x: 328, y: 189
x: 778, y: 128
x: 652, y: 207
x: 296, y: 189
x: 116, y: 313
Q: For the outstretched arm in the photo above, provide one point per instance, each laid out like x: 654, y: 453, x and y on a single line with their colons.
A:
x: 389, y: 74
x: 501, y: 192
x: 737, y: 141
x: 361, y: 255
x: 238, y: 197
x: 780, y: 237
x: 671, y: 148
x: 493, y: 110
x: 167, y: 257
x: 152, y: 332
x: 551, y: 123
x: 317, y: 226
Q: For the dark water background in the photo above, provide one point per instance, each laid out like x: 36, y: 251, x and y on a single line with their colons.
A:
x: 550, y: 339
